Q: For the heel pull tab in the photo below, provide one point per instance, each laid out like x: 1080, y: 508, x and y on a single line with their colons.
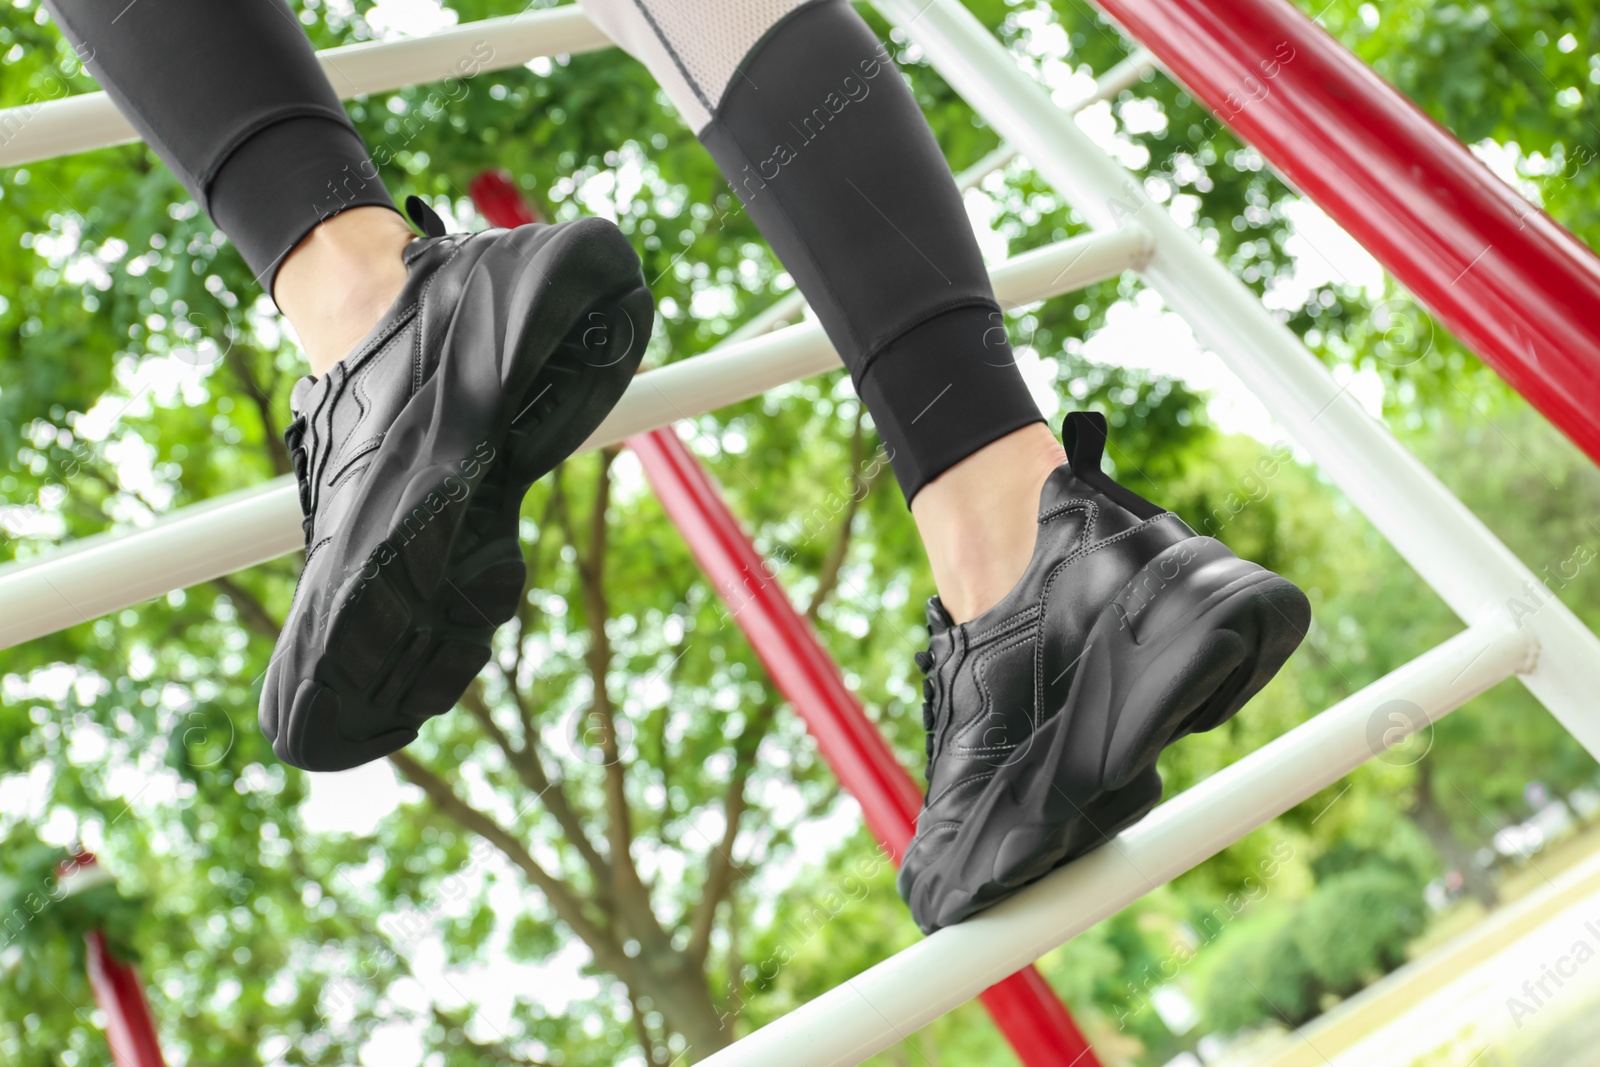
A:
x: 1084, y: 435
x: 424, y: 217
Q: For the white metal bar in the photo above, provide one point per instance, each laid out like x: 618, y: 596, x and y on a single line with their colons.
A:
x: 1125, y: 75
x: 1449, y: 547
x: 51, y: 128
x: 112, y: 571
x: 889, y: 1001
x: 108, y: 572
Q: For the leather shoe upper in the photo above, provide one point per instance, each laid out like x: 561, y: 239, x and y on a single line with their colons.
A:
x: 991, y: 682
x: 343, y: 417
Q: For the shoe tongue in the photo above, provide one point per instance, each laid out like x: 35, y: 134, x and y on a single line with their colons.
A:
x: 938, y: 619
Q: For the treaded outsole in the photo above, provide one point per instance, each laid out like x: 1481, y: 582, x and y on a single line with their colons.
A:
x: 1029, y: 852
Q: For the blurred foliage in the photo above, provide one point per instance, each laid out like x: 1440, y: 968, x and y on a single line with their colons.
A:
x: 45, y: 915
x: 1285, y: 963
x: 140, y: 370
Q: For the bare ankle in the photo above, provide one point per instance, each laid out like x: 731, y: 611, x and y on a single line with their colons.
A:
x: 340, y: 279
x: 979, y: 519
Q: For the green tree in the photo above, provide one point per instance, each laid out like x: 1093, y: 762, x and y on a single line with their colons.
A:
x: 623, y: 776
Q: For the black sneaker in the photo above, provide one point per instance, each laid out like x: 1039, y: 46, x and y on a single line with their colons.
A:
x: 1046, y: 713
x: 504, y: 351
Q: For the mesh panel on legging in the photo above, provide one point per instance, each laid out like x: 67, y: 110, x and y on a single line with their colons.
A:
x: 692, y: 47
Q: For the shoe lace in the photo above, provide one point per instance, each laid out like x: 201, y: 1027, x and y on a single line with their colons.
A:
x: 924, y: 662
x: 295, y: 437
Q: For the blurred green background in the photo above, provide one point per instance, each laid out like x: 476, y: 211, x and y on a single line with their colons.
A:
x: 279, y: 918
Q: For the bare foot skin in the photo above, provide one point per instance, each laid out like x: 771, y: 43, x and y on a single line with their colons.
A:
x: 340, y: 279
x: 979, y: 519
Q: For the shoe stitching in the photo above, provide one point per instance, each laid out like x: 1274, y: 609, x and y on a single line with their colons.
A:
x: 1090, y: 522
x: 1004, y: 625
x: 1038, y: 670
x: 986, y: 750
x: 362, y: 363
x: 956, y: 661
x: 368, y: 352
x: 1092, y: 514
x: 317, y: 461
x: 1075, y: 504
x: 988, y: 698
x: 356, y: 452
x: 350, y: 472
x: 357, y: 389
x: 358, y: 392
x: 947, y: 790
x: 997, y: 750
x: 422, y: 298
x: 1039, y: 649
x: 1114, y: 538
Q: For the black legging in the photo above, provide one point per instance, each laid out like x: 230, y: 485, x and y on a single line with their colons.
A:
x: 812, y: 125
x: 232, y: 98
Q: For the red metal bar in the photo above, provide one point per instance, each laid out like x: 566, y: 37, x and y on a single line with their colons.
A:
x: 799, y: 666
x: 1502, y: 275
x: 130, y: 1027
x: 497, y: 197
x: 1023, y: 1007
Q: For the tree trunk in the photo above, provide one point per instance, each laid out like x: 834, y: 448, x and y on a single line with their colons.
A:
x: 1434, y: 822
x: 679, y: 991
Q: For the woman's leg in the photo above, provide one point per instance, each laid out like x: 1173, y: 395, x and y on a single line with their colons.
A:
x: 811, y: 122
x: 1078, y: 628
x: 451, y: 371
x: 233, y: 99
x: 339, y: 280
